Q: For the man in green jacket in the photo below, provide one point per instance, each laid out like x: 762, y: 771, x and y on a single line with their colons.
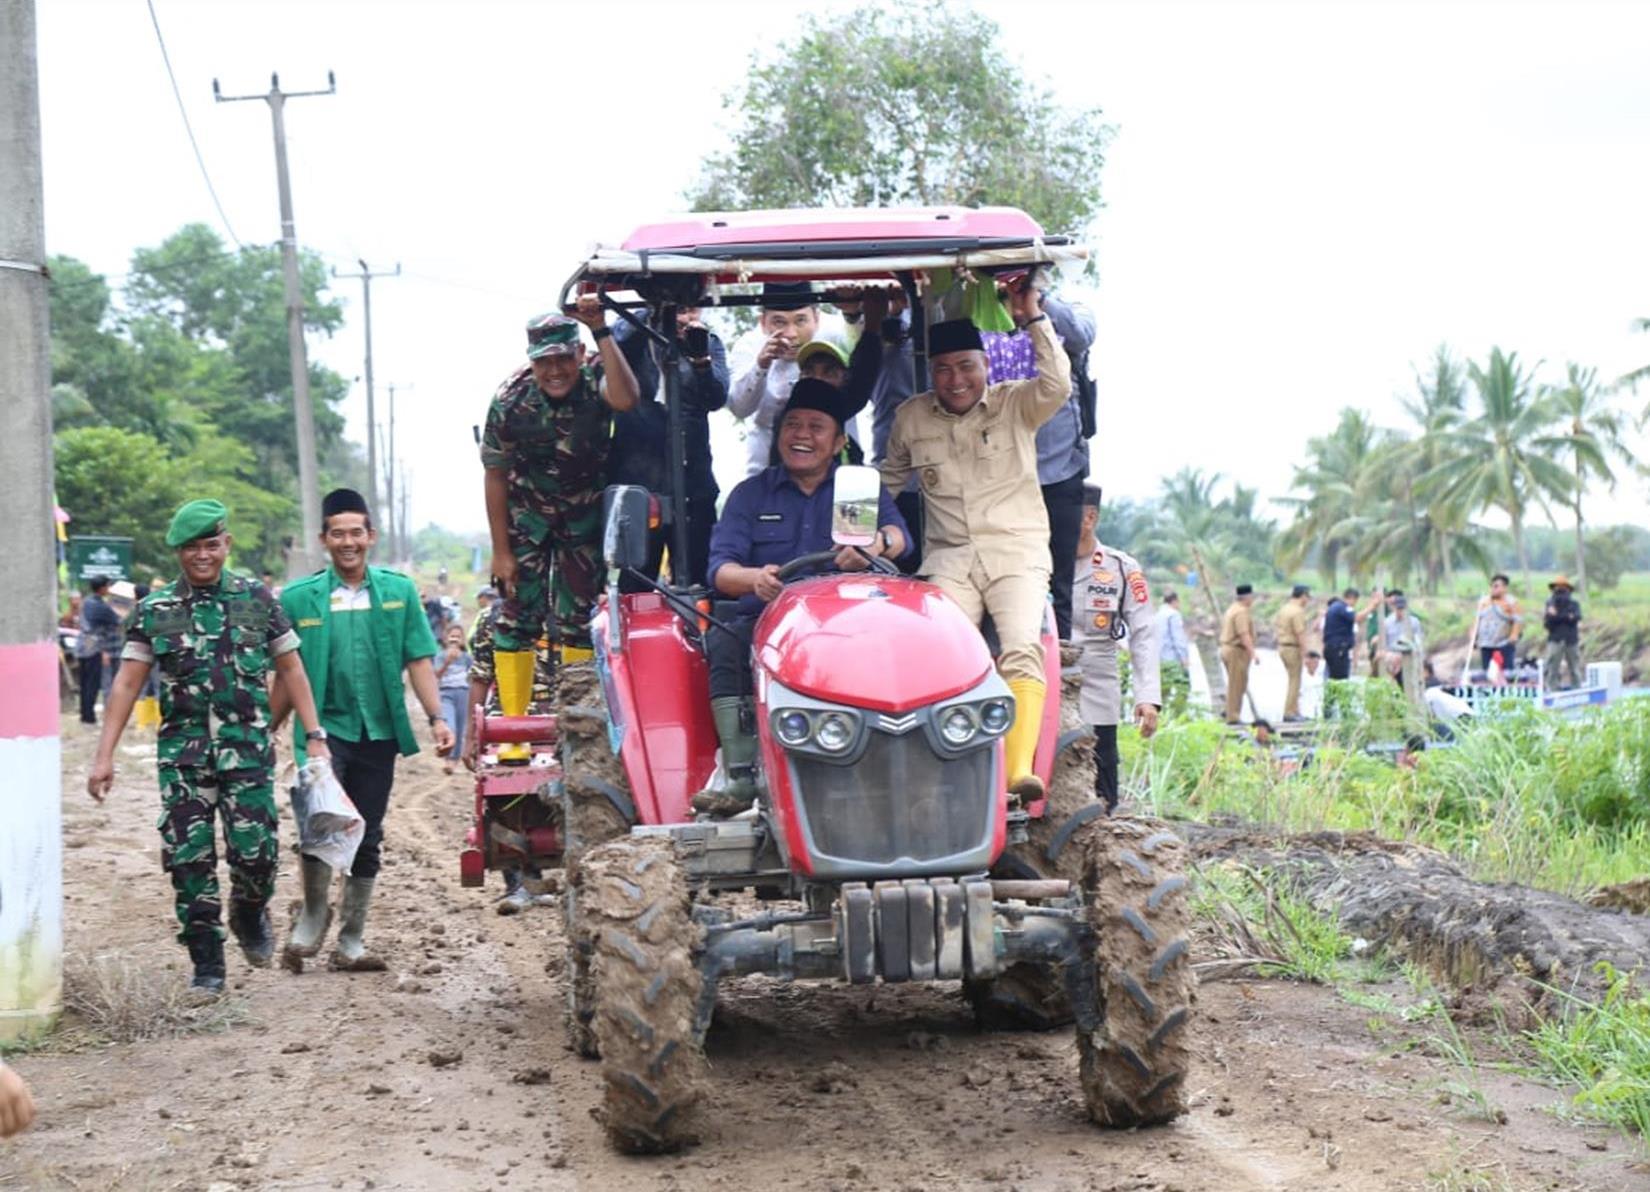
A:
x: 358, y: 628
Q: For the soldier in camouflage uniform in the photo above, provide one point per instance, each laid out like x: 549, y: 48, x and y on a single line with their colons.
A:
x: 213, y: 636
x: 545, y: 450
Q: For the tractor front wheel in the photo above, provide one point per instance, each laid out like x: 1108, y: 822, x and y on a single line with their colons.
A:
x: 647, y: 987
x: 1133, y: 1065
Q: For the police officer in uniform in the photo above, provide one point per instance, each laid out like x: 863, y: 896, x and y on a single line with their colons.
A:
x: 545, y: 450
x: 213, y: 635
x: 1110, y: 602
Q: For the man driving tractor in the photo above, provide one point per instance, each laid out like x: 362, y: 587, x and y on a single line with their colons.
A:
x: 973, y: 448
x: 780, y: 514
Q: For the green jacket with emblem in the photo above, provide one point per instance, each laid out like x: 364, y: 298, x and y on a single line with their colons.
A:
x: 400, y: 634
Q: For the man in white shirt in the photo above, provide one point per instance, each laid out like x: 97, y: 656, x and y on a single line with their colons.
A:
x: 763, y: 364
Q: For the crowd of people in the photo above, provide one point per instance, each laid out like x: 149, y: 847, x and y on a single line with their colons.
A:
x: 984, y: 488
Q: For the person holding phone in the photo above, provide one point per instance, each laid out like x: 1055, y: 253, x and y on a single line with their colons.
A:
x: 641, y: 437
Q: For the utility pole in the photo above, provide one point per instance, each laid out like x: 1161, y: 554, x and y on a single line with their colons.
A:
x: 31, y: 847
x: 400, y: 545
x: 366, y: 275
x: 309, y: 492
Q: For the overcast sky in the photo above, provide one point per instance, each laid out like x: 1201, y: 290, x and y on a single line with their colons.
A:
x: 1302, y: 200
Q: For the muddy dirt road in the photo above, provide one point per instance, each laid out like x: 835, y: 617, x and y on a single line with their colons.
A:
x: 448, y: 1071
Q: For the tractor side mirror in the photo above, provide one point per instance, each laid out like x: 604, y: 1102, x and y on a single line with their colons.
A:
x: 624, y: 526
x: 854, y: 501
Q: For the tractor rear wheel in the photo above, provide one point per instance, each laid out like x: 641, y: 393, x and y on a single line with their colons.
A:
x: 593, y: 784
x: 1133, y: 1065
x: 647, y: 986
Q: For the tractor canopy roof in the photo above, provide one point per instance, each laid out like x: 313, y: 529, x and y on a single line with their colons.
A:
x: 689, y: 258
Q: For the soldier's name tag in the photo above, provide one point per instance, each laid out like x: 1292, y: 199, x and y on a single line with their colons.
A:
x: 309, y: 622
x: 770, y: 517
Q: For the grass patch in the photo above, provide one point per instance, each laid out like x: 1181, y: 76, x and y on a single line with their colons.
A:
x: 116, y: 997
x: 1603, y: 1052
x: 1261, y: 927
x: 1527, y: 797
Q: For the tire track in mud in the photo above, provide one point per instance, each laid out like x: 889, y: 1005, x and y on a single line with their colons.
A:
x: 825, y: 1088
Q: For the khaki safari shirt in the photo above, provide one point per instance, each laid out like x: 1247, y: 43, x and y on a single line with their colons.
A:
x: 1291, y: 624
x: 1234, y: 626
x: 978, y: 470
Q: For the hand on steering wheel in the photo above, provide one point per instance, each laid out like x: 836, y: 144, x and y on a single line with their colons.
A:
x: 822, y: 558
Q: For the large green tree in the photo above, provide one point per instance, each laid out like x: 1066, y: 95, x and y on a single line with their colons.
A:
x: 1333, y: 484
x: 217, y: 298
x: 1592, y: 436
x: 904, y: 103
x: 1495, y: 459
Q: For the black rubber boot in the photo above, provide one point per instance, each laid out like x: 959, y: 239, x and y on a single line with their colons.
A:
x: 206, y: 950
x: 253, y: 931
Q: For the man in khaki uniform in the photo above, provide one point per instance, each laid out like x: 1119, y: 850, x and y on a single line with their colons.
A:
x: 1292, y: 635
x: 1237, y: 650
x: 973, y: 449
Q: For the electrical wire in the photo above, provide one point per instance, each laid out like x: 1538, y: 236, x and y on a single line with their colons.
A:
x: 187, y: 128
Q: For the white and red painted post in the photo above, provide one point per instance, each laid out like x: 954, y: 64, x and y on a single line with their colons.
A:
x: 31, y: 848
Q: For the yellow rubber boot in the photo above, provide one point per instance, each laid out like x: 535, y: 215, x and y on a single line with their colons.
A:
x: 513, y: 670
x: 1020, y: 745
x: 573, y: 655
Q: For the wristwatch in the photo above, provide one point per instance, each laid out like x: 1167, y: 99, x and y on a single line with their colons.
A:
x: 318, y: 734
x: 435, y: 720
x: 887, y: 542
x: 601, y: 333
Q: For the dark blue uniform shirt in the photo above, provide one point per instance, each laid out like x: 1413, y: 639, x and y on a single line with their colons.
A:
x: 1339, y: 624
x: 768, y: 519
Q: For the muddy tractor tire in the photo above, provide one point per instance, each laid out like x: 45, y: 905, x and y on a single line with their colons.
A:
x: 1070, y: 793
x: 1133, y: 1065
x: 1026, y: 996
x: 594, y: 789
x: 647, y: 987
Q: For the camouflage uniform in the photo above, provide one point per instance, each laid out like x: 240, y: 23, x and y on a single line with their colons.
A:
x: 555, y: 451
x: 481, y: 666
x: 213, y: 649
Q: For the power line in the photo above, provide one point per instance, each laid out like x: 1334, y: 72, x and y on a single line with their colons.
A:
x: 178, y: 95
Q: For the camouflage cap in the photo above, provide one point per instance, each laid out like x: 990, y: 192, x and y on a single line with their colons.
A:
x: 196, y: 519
x: 552, y: 335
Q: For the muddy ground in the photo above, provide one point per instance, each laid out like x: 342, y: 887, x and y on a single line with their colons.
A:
x: 448, y: 1070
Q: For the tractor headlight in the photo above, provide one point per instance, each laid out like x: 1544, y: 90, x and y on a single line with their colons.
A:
x: 792, y: 727
x: 833, y: 732
x: 996, y: 715
x: 958, y: 726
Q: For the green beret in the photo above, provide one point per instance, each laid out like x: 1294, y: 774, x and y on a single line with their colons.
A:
x: 196, y: 519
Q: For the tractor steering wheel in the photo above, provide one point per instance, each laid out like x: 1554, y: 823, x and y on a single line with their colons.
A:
x: 820, y: 558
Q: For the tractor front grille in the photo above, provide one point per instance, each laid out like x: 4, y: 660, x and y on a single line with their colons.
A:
x: 898, y: 803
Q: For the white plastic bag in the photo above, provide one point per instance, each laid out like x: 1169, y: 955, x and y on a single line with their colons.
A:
x: 330, y: 829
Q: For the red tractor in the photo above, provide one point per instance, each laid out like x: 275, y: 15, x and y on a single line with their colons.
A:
x: 884, y: 846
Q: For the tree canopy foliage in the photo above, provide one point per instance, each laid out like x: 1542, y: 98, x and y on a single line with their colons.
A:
x: 180, y: 388
x: 911, y: 103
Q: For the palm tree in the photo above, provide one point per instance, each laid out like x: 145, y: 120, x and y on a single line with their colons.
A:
x: 1641, y: 373
x: 1333, y: 479
x: 1494, y: 459
x: 1592, y: 437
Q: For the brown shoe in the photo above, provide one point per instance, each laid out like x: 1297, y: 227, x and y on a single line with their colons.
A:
x: 1028, y: 788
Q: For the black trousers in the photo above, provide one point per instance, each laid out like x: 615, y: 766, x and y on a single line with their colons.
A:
x: 1337, y: 659
x: 91, y: 682
x: 1064, y: 502
x: 729, y: 656
x: 910, y: 508
x: 1105, y: 765
x: 366, y: 769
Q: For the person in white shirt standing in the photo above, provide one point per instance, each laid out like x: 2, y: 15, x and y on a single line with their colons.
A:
x: 763, y: 364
